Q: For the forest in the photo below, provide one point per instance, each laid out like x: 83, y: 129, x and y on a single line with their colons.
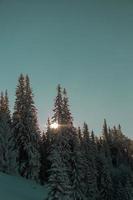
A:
x: 74, y: 162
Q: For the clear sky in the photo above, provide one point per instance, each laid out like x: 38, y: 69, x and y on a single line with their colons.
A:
x: 85, y: 45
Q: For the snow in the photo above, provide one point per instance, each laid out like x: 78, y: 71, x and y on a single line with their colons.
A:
x: 17, y: 188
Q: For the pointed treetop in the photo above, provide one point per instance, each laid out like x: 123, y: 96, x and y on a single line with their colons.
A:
x: 105, y: 130
x: 4, y: 102
x: 27, y: 82
x: 6, y: 96
x: 4, y: 106
x: 6, y: 92
x: 20, y: 87
x: 27, y: 77
x: 85, y: 127
x: 64, y: 92
x: 86, y: 133
x: 105, y: 126
x: 6, y: 99
x: 119, y: 127
x: 59, y: 88
x: 92, y: 135
x: 29, y: 93
x: 21, y: 78
x: 2, y: 96
x: 67, y: 117
x: 57, y: 117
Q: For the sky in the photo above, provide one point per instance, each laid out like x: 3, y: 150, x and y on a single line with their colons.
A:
x: 85, y: 45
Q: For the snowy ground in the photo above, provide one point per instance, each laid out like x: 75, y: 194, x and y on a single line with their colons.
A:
x: 17, y: 188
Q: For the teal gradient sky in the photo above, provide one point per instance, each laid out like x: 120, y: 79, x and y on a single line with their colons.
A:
x: 85, y: 45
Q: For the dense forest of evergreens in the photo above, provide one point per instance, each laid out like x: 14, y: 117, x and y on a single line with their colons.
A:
x: 74, y: 162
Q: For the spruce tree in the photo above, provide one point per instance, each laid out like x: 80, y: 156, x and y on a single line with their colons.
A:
x: 62, y: 147
x: 43, y: 159
x: 105, y: 130
x: 90, y: 176
x: 25, y: 131
x: 106, y: 143
x: 104, y: 179
x: 57, y: 117
x: 46, y: 143
x: 67, y: 118
x: 32, y: 126
x: 79, y: 135
x: 77, y: 170
x: 59, y: 183
x: 5, y: 133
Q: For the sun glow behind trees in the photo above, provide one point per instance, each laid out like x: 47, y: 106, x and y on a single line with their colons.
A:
x: 54, y: 125
x: 76, y: 164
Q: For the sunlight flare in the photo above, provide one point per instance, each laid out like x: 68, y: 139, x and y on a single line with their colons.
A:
x: 54, y: 125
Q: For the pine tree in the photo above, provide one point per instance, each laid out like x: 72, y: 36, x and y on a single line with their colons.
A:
x: 104, y: 179
x: 67, y: 118
x: 5, y: 133
x: 79, y: 135
x: 57, y: 117
x: 25, y: 131
x: 90, y: 175
x: 59, y: 183
x: 77, y: 167
x: 63, y: 145
x: 46, y: 143
x: 43, y: 159
x: 106, y: 143
x: 62, y: 116
x: 105, y: 130
x: 31, y: 124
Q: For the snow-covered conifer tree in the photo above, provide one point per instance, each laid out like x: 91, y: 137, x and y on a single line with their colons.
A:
x: 77, y: 170
x: 57, y: 117
x: 61, y: 148
x: 66, y: 114
x: 59, y: 183
x: 104, y: 178
x: 90, y: 175
x: 5, y: 134
x: 106, y: 143
x: 25, y: 130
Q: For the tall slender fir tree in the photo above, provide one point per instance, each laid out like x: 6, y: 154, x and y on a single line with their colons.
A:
x: 25, y: 130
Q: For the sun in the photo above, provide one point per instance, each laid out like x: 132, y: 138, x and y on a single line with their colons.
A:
x: 54, y: 125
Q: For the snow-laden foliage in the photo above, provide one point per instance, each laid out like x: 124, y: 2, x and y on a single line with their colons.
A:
x: 26, y: 132
x: 74, y: 163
